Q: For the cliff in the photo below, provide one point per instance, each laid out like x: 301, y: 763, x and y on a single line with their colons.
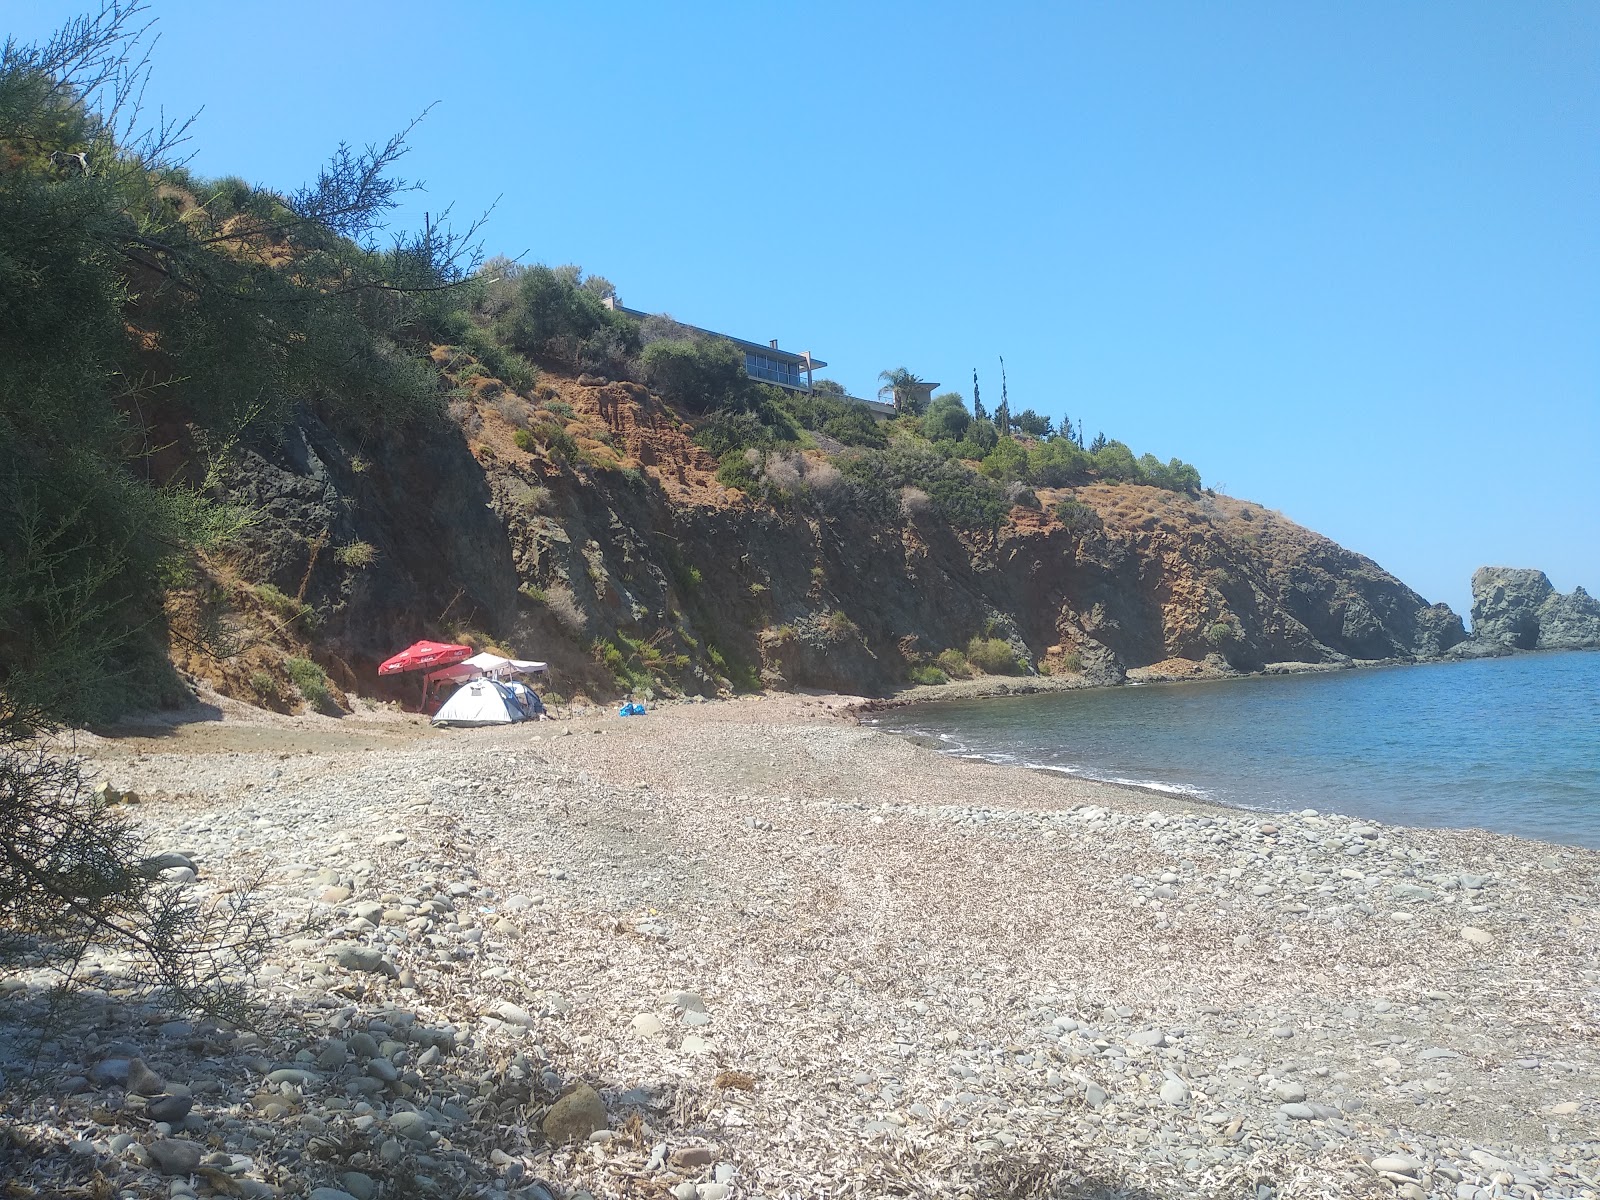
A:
x: 631, y: 567
x: 1522, y: 610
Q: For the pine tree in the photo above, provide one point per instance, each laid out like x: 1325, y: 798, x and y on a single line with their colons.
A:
x: 977, y: 403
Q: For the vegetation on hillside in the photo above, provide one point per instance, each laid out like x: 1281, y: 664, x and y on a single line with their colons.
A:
x: 965, y: 463
x: 152, y: 320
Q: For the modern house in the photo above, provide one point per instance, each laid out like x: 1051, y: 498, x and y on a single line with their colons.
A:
x: 767, y: 363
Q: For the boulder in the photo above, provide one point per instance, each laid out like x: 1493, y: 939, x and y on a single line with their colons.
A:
x: 1522, y: 609
x: 575, y: 1116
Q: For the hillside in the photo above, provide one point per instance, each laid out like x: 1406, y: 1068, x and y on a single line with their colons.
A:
x: 639, y: 568
x: 243, y: 436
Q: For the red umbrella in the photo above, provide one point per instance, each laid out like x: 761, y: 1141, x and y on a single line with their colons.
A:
x: 423, y: 655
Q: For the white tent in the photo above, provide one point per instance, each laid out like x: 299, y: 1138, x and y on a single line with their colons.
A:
x: 480, y: 702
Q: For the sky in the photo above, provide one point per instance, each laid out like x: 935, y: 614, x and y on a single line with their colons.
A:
x: 1343, y: 258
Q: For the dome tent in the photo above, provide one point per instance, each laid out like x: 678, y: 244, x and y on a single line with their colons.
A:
x: 481, y: 702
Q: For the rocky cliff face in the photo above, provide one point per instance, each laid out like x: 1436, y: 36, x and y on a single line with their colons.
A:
x: 638, y: 565
x: 1522, y: 609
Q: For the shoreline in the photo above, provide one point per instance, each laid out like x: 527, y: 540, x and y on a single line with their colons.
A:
x: 926, y: 717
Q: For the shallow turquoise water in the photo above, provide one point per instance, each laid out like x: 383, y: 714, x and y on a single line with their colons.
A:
x: 1509, y: 744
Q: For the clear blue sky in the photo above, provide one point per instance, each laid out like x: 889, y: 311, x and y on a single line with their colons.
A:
x: 1344, y: 258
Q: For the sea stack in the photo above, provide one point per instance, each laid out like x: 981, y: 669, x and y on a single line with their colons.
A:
x: 1522, y: 609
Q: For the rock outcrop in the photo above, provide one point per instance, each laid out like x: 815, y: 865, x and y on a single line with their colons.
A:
x: 1521, y: 609
x: 628, y: 561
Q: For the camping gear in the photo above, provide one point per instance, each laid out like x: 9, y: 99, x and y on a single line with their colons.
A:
x: 482, y: 702
x: 496, y: 667
x: 631, y: 709
x: 526, y: 697
x: 419, y: 656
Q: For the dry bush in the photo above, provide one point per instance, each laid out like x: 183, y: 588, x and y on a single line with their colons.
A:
x: 527, y: 497
x: 513, y: 410
x: 73, y: 875
x: 915, y: 502
x: 563, y: 606
x: 465, y: 414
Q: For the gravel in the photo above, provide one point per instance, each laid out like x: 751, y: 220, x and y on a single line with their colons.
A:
x: 496, y: 946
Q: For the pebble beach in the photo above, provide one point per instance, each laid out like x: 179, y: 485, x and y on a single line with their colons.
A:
x: 753, y: 948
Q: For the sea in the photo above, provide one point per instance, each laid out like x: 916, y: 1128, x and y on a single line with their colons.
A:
x: 1505, y: 744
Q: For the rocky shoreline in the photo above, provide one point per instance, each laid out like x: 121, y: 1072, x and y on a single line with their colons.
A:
x: 753, y: 949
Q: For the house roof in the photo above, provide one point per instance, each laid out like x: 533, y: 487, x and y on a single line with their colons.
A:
x: 787, y: 356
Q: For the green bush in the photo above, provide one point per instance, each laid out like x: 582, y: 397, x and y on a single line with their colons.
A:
x: 1077, y: 516
x: 699, y: 375
x: 954, y: 664
x: 993, y: 656
x: 947, y: 419
x: 553, y: 316
x: 1115, y: 461
x: 1007, y: 461
x: 562, y: 446
x: 1221, y: 634
x: 927, y: 675
x: 502, y: 363
x: 839, y: 625
x: 963, y: 499
x: 311, y: 680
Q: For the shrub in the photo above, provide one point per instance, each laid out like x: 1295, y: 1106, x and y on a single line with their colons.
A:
x: 947, y: 419
x: 1073, y: 663
x: 565, y: 609
x: 356, y: 555
x: 840, y: 626
x: 699, y: 375
x: 311, y: 681
x: 286, y: 607
x: 725, y: 432
x: 560, y: 444
x: 1077, y: 516
x: 263, y: 685
x: 562, y: 409
x: 1021, y: 494
x: 954, y: 664
x: 552, y: 315
x: 928, y: 675
x: 965, y: 500
x: 513, y: 410
x: 1007, y: 461
x: 1115, y: 461
x: 740, y: 469
x: 527, y: 497
x: 502, y: 363
x: 1221, y: 634
x: 993, y: 656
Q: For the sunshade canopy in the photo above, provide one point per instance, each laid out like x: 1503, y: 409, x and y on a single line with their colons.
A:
x: 422, y: 655
x: 486, y: 664
x: 495, y: 665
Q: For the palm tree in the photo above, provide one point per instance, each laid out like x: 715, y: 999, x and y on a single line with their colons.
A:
x: 903, y: 384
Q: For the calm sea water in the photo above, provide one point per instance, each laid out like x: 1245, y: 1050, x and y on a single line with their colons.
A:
x: 1509, y: 744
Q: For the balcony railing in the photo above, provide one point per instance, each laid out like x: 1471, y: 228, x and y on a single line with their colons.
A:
x: 789, y: 379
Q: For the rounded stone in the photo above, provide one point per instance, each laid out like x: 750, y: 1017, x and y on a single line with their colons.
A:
x: 174, y: 1156
x: 575, y: 1116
